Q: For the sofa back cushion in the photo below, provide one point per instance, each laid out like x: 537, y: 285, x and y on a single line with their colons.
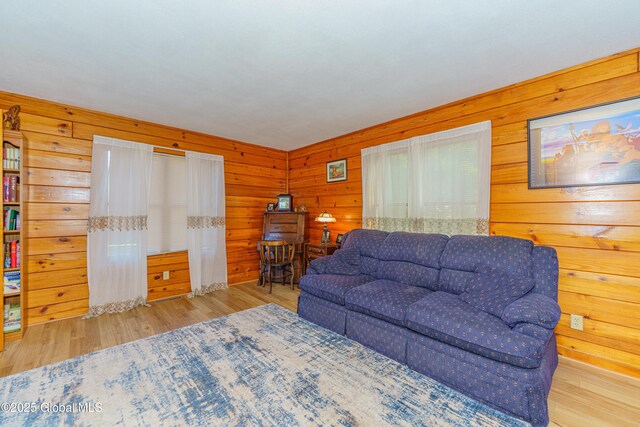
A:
x: 545, y: 271
x: 459, y: 259
x: 345, y: 262
x: 463, y: 255
x: 492, y: 290
x: 368, y: 242
x: 411, y: 258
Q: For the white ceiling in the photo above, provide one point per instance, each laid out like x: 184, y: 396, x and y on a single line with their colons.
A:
x: 287, y: 73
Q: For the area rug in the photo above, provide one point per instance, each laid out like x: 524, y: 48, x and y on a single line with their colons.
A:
x: 260, y: 367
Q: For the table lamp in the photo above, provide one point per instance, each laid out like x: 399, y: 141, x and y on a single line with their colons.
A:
x: 325, y: 217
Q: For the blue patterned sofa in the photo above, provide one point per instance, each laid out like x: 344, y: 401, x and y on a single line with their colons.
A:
x: 475, y: 313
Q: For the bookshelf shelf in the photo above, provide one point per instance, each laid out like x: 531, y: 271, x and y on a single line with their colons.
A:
x: 13, y: 322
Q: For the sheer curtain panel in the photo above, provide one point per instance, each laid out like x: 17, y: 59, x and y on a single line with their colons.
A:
x: 206, y: 222
x: 435, y: 183
x: 117, y: 231
x: 450, y: 180
x: 384, y: 187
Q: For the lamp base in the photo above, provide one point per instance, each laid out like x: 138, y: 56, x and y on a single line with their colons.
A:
x: 325, y: 235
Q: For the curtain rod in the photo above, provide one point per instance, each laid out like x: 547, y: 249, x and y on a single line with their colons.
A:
x: 169, y: 151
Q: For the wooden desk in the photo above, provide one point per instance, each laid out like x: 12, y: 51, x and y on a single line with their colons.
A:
x: 317, y: 250
x: 290, y: 227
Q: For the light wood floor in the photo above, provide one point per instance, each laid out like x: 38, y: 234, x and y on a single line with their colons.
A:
x: 581, y: 395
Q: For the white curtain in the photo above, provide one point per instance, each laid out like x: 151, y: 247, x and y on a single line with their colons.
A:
x: 447, y: 178
x: 206, y: 222
x: 117, y: 232
x: 384, y: 187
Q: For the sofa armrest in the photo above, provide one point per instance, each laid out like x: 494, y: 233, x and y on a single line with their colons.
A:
x: 535, y: 331
x: 318, y: 265
x: 533, y: 308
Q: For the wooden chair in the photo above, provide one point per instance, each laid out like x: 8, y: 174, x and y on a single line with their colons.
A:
x: 276, y: 255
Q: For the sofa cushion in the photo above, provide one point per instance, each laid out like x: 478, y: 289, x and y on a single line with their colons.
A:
x: 533, y: 308
x: 545, y: 271
x: 344, y: 261
x: 445, y: 317
x: 368, y: 243
x: 318, y: 265
x: 331, y: 287
x: 416, y: 248
x: 384, y: 299
x: 463, y: 255
x: 492, y: 290
x: 411, y: 258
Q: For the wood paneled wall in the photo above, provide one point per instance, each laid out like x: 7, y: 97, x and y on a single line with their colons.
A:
x: 58, y: 164
x: 596, y: 230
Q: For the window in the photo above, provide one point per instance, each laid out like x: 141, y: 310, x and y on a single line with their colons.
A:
x: 167, y: 220
x: 435, y: 183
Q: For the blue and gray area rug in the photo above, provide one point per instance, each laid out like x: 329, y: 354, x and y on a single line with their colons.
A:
x: 259, y: 367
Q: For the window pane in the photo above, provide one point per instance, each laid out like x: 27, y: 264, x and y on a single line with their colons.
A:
x: 167, y: 222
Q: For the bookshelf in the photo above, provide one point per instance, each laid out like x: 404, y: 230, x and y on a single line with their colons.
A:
x: 13, y: 295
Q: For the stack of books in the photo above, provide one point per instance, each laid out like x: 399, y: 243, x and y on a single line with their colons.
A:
x: 11, y: 158
x: 11, y: 282
x: 11, y: 219
x: 12, y: 316
x: 10, y: 188
x: 12, y: 254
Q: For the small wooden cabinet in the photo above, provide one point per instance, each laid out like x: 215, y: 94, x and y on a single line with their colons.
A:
x: 287, y: 226
x: 317, y: 250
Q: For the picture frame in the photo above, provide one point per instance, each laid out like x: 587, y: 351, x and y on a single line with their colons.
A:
x: 598, y: 145
x: 337, y: 170
x: 339, y: 238
x: 271, y: 207
x: 285, y: 202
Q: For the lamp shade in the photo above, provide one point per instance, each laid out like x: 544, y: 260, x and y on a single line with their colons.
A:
x: 325, y: 217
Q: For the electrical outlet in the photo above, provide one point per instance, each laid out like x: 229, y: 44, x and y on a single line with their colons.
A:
x: 576, y: 322
x: 165, y: 276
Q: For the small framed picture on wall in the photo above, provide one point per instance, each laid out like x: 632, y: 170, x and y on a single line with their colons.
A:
x: 337, y: 170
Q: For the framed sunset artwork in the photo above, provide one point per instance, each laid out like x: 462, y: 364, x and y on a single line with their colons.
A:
x: 593, y: 146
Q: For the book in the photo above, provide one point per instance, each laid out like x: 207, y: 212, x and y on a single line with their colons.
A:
x: 11, y: 275
x: 13, y: 188
x: 12, y: 317
x: 11, y: 282
x: 10, y: 158
x: 7, y: 254
x: 5, y: 188
x: 14, y: 254
x: 11, y: 217
x: 11, y: 288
